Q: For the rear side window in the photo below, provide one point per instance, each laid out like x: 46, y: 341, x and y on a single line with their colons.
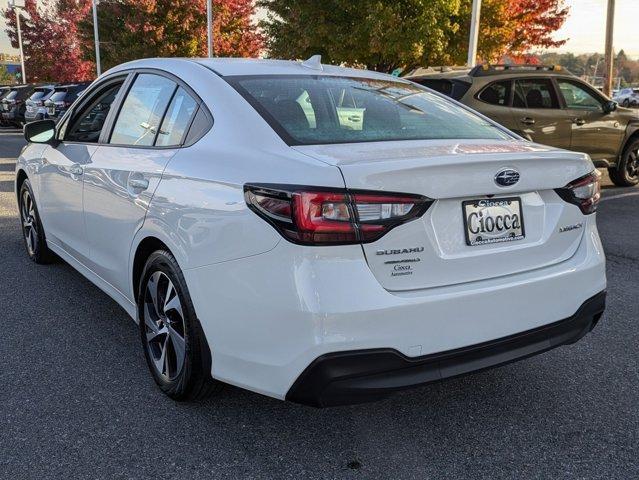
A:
x: 497, y: 93
x: 177, y: 119
x: 142, y: 110
x: 311, y: 110
x: 535, y: 93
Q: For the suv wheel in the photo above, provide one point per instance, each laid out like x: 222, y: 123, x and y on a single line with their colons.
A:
x: 625, y: 103
x: 626, y: 173
x: 175, y: 347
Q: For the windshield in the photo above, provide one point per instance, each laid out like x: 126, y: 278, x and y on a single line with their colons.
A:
x: 311, y: 110
x: 12, y: 95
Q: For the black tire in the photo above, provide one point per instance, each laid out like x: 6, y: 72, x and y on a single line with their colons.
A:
x: 190, y: 379
x: 625, y: 103
x: 626, y: 173
x: 32, y: 231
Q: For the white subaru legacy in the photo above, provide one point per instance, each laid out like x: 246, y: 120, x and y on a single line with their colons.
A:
x: 318, y: 234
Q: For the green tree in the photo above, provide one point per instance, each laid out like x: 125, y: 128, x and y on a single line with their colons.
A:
x: 5, y: 76
x: 132, y: 29
x: 387, y: 34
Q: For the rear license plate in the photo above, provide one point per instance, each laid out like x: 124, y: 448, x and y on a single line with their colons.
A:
x: 30, y: 109
x: 493, y: 220
x: 51, y: 110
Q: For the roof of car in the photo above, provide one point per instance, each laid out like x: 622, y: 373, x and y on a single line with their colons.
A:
x: 259, y: 66
x: 487, y: 71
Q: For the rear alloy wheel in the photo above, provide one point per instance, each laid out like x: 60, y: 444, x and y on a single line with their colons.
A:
x: 626, y: 173
x: 32, y: 231
x: 174, y: 344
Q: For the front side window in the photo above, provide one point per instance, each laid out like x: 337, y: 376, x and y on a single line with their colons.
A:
x: 142, y: 110
x: 577, y: 97
x: 535, y: 93
x: 308, y: 110
x: 177, y: 119
x: 497, y: 93
x: 88, y: 126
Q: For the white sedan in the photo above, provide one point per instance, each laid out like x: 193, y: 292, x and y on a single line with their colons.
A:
x: 313, y: 233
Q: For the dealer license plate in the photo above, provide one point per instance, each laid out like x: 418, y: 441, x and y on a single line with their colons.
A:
x: 493, y: 220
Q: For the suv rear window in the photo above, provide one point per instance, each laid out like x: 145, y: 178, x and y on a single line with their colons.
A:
x: 39, y: 93
x: 311, y: 110
x: 452, y: 88
x: 58, y: 95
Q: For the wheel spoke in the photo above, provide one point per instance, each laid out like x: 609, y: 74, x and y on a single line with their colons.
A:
x: 179, y: 348
x: 174, y: 305
x: 160, y: 363
x: 152, y: 288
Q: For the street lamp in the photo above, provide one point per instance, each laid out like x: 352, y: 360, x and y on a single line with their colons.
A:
x: 96, y: 37
x: 16, y: 5
x: 209, y: 23
x: 474, y: 33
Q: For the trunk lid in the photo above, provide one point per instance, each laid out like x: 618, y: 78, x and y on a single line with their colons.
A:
x: 432, y: 251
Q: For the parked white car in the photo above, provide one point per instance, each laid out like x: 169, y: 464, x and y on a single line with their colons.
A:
x: 627, y: 97
x: 297, y: 252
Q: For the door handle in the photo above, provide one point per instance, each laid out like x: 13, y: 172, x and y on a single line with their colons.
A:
x: 139, y: 183
x: 528, y: 121
x: 76, y: 169
x: 579, y: 121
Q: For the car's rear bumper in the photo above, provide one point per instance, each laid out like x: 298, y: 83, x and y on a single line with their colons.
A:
x: 343, y: 378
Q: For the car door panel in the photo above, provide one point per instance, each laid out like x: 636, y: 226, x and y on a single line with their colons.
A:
x: 118, y: 187
x: 594, y: 132
x: 60, y: 184
x: 536, y: 113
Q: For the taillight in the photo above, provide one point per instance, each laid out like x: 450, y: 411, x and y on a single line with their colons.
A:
x: 327, y: 216
x: 585, y: 192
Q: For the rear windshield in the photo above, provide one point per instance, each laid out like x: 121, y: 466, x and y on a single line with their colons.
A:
x: 39, y: 94
x: 12, y: 95
x: 59, y: 95
x: 311, y: 110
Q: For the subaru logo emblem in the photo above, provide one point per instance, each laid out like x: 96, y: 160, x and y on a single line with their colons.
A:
x: 507, y: 177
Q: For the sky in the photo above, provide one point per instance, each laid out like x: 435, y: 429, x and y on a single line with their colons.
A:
x: 584, y: 29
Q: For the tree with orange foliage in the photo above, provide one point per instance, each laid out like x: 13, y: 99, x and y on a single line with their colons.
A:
x: 50, y: 40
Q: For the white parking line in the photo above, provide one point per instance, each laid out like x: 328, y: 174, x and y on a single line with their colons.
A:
x: 621, y: 195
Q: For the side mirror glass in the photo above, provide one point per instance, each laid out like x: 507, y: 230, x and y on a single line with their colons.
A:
x: 609, y: 106
x: 42, y: 131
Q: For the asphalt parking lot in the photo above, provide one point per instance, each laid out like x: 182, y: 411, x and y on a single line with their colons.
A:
x: 77, y: 401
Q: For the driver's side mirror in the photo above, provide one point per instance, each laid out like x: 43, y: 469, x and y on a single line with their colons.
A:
x: 609, y: 106
x: 41, y: 131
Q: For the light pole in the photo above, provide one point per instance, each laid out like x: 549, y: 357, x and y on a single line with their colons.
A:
x: 609, y: 54
x: 474, y: 33
x: 96, y: 37
x: 16, y: 5
x: 209, y: 23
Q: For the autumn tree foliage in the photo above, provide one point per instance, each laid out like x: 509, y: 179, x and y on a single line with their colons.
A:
x: 50, y: 40
x: 387, y: 34
x: 131, y: 29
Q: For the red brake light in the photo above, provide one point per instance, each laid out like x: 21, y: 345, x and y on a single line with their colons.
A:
x: 585, y: 192
x: 315, y: 216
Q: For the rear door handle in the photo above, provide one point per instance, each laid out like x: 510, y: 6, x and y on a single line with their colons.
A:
x: 579, y: 121
x: 528, y: 121
x: 139, y: 183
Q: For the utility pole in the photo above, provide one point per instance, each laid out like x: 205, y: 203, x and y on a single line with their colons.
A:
x: 209, y: 23
x: 474, y: 33
x: 96, y: 37
x: 609, y: 54
x: 16, y: 7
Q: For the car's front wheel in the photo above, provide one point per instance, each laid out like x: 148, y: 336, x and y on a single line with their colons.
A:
x: 175, y: 347
x: 32, y: 231
x: 626, y: 173
x: 625, y: 103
